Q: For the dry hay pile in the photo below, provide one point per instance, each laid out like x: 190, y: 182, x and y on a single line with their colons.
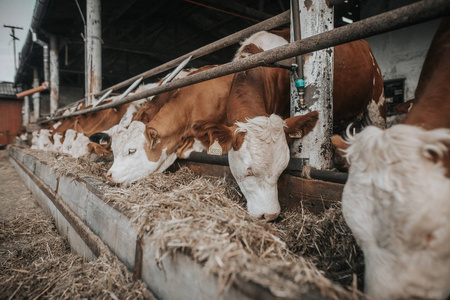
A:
x: 206, y: 218
x: 35, y: 262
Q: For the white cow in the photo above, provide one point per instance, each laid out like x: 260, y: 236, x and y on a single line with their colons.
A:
x: 397, y: 197
x: 69, y: 139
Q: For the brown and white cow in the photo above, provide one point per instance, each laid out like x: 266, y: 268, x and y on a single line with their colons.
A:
x: 255, y: 136
x: 397, y: 197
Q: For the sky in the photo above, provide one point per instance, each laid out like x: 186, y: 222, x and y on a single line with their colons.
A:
x: 15, y: 13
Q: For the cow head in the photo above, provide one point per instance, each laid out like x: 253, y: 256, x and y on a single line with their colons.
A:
x: 258, y: 153
x: 69, y: 138
x: 396, y: 202
x: 57, y: 145
x: 43, y: 140
x: 80, y: 145
x: 139, y: 150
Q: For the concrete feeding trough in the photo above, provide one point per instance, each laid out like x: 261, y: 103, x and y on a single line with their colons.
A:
x: 83, y: 212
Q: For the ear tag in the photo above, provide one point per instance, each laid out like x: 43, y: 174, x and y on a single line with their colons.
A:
x: 215, y: 148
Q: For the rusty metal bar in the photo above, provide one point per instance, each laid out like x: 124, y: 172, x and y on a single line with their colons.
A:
x: 37, y: 89
x: 402, y: 17
x: 276, y: 21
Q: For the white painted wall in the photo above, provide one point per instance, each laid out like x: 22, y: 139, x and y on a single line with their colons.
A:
x: 400, y: 53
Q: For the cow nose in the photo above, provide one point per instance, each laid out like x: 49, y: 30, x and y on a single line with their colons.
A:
x: 269, y: 217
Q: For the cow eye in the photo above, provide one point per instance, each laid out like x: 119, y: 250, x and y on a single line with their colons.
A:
x: 131, y: 151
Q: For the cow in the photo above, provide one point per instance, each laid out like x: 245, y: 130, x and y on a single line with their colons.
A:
x: 254, y: 138
x: 143, y: 148
x: 397, y: 197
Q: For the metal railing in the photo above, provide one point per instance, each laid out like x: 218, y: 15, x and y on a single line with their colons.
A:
x: 395, y: 19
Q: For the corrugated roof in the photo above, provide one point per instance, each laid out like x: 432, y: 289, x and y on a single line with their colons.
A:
x: 7, y: 90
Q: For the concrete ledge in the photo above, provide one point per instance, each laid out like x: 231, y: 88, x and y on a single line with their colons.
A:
x: 72, y: 201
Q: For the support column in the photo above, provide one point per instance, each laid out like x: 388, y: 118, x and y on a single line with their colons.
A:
x: 54, y: 75
x: 316, y: 149
x: 26, y: 111
x: 36, y: 96
x: 93, y: 67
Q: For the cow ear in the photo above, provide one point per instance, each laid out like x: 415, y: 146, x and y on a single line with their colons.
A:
x: 301, y: 124
x: 339, y: 143
x: 340, y: 158
x: 152, y: 136
x: 404, y: 107
x: 207, y: 132
x: 100, y: 138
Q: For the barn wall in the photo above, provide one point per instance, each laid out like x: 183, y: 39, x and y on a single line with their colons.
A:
x: 401, y: 53
x: 10, y: 119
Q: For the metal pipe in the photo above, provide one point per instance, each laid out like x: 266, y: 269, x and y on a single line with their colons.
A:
x: 29, y: 92
x: 276, y: 21
x: 54, y: 74
x: 337, y: 177
x: 299, y: 81
x: 294, y: 167
x: 402, y: 17
x: 93, y: 67
x: 297, y: 33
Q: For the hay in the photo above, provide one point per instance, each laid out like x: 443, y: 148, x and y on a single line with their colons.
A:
x: 206, y: 218
x: 35, y: 262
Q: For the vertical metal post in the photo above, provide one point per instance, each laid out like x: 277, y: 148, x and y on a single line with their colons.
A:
x: 36, y: 96
x: 54, y: 74
x: 93, y: 67
x: 26, y: 111
x: 316, y: 150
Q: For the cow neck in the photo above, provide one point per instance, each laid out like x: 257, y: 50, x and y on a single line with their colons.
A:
x: 258, y: 92
x: 432, y: 104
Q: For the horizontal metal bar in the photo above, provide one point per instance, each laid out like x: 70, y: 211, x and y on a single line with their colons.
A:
x: 273, y: 22
x: 294, y: 167
x: 402, y: 17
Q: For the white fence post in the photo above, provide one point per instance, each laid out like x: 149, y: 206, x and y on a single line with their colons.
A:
x: 93, y: 67
x: 316, y: 149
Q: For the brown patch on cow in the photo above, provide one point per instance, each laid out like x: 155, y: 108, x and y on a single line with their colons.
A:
x: 284, y: 33
x: 186, y: 146
x: 209, y: 131
x: 404, y: 107
x: 250, y: 49
x: 303, y: 124
x: 100, y: 150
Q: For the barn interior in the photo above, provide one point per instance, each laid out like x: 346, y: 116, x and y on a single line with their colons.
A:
x: 139, y: 35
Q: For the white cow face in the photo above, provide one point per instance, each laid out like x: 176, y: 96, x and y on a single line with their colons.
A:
x: 34, y: 140
x: 69, y: 138
x: 258, y: 153
x: 57, y: 145
x: 397, y: 203
x: 135, y: 156
x: 80, y: 146
x: 44, y: 142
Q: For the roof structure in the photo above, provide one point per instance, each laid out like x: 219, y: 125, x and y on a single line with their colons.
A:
x: 138, y: 35
x: 8, y: 90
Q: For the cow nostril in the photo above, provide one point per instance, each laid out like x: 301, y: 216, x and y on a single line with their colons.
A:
x: 269, y: 217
